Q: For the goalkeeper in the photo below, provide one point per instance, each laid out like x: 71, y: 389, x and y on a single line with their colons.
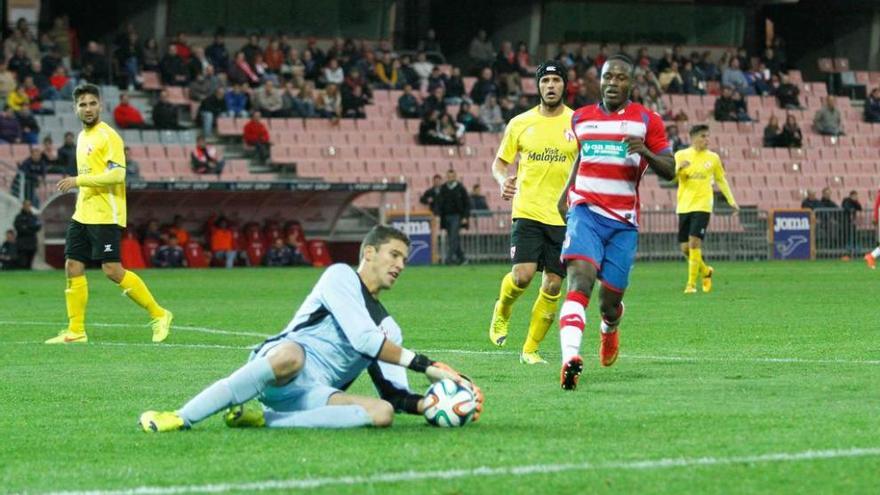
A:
x: 301, y: 374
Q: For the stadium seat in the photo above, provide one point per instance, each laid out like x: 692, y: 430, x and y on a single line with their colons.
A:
x: 255, y: 250
x: 196, y: 257
x: 150, y: 247
x: 130, y: 253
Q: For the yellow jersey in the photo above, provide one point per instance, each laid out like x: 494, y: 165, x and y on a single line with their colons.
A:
x: 547, y: 149
x: 96, y: 148
x: 695, y: 171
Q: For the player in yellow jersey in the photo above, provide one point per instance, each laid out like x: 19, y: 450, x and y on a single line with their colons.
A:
x: 695, y: 169
x: 95, y: 230
x: 546, y: 146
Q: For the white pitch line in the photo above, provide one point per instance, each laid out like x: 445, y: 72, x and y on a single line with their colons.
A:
x: 644, y: 357
x: 451, y: 474
x: 143, y: 344
x: 215, y: 331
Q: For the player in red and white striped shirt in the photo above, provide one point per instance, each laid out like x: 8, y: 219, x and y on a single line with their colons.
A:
x: 618, y: 140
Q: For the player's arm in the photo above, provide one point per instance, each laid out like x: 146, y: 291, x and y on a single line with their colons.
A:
x: 723, y: 186
x: 562, y: 204
x: 505, y: 156
x: 655, y: 148
x: 115, y: 174
x: 392, y: 388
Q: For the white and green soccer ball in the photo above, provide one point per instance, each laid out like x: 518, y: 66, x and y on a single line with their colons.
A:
x: 449, y: 404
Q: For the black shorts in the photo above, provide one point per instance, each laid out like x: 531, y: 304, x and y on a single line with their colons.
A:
x: 692, y: 224
x: 536, y: 242
x: 92, y: 242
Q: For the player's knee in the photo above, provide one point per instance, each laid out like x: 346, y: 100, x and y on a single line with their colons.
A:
x: 552, y: 286
x: 287, y: 359
x: 73, y: 268
x: 113, y: 271
x: 523, y: 276
x: 382, y: 413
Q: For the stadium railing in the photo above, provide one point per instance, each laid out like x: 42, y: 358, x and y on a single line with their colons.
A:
x: 730, y: 237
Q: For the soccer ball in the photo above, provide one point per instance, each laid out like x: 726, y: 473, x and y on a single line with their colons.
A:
x: 449, y: 404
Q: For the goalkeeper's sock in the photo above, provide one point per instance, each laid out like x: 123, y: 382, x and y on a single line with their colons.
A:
x: 76, y: 296
x: 695, y: 259
x: 572, y: 319
x: 135, y: 288
x: 876, y: 253
x: 350, y: 416
x: 241, y: 386
x: 508, y: 295
x: 543, y: 313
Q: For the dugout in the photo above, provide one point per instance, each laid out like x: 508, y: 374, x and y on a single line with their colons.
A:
x: 318, y: 206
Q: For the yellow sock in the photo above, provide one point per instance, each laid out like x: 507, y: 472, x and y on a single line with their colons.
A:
x: 543, y: 315
x: 509, y: 294
x: 695, y: 259
x: 77, y: 296
x: 135, y: 288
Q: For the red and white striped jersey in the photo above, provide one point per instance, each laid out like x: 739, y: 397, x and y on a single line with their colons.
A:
x: 608, y: 175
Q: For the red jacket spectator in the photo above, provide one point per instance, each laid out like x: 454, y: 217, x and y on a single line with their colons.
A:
x: 273, y: 57
x: 127, y: 116
x: 255, y: 132
x: 59, y: 79
x: 221, y: 240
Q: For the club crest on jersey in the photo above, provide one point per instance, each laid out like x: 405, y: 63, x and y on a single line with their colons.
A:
x: 569, y: 135
x: 707, y: 165
x: 89, y: 150
x: 623, y: 125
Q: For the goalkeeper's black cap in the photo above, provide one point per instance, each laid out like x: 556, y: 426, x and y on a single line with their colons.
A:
x: 551, y: 67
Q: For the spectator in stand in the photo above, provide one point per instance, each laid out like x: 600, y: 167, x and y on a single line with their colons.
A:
x: 52, y: 60
x: 268, y: 100
x: 252, y: 48
x: 772, y: 133
x: 33, y: 169
x: 490, y: 114
x: 165, y: 114
x: 408, y: 75
x: 262, y: 71
x: 62, y: 84
x: 408, y: 104
x: 223, y: 241
x: 478, y: 201
x: 7, y: 81
x: 386, y: 73
x: 10, y: 129
x: 423, y: 67
x: 132, y: 166
x: 770, y: 61
x: 666, y: 61
x: 328, y: 104
x: 237, y: 101
x: 354, y: 103
x: 450, y: 127
x: 707, y: 67
x: 273, y: 56
x: 217, y: 53
x: 670, y: 79
x: 455, y: 87
x: 50, y: 155
x: 742, y: 109
x: 825, y: 201
x: 508, y: 71
x: 654, y: 101
x: 826, y: 219
x: 523, y: 104
x: 311, y: 67
x: 481, y: 51
x: 20, y: 63
x: 674, y: 138
x: 436, y: 79
x: 872, y: 107
x: 304, y: 103
x: 508, y: 109
x: 353, y: 79
x: 293, y: 69
x: 67, y: 154
x: 203, y: 84
x: 810, y: 202
x: 151, y: 61
x: 27, y: 224
x: 430, y: 43
x: 429, y: 197
x: 590, y: 82
x: 453, y: 206
x: 204, y: 158
x: 635, y: 95
x: 602, y: 56
x: 241, y: 72
x: 128, y: 116
x: 9, y: 252
x: 210, y: 109
x: 44, y: 89
x: 281, y: 254
x: 435, y: 101
x: 30, y: 129
x: 828, y: 119
x: 733, y: 76
x: 470, y: 121
x: 333, y: 73
x: 128, y: 59
x: 693, y: 81
x: 173, y: 68
x: 181, y: 47
x: 256, y: 136
x: 787, y: 94
x: 791, y: 136
x: 430, y: 131
x: 169, y: 254
x: 484, y: 86
x: 523, y: 59
x: 727, y: 108
x: 17, y: 99
x: 151, y: 231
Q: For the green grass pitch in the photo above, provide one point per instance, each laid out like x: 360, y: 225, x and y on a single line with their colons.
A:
x: 770, y: 384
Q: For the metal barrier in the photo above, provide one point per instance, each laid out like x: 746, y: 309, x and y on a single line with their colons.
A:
x: 733, y: 237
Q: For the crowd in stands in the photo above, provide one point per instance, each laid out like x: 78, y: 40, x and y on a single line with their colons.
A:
x: 223, y: 244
